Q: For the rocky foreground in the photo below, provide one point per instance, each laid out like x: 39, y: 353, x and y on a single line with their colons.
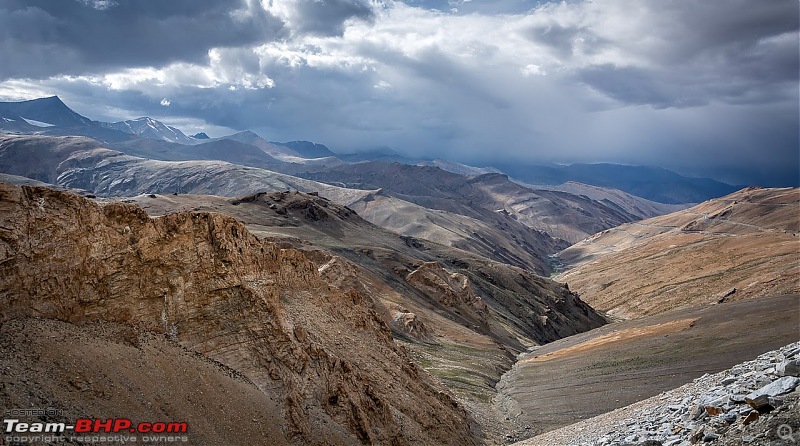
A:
x: 203, y: 281
x: 756, y: 402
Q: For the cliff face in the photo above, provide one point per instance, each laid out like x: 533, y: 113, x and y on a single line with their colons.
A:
x: 452, y: 290
x: 205, y: 281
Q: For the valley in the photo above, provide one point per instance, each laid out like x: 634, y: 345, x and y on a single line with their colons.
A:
x: 343, y: 299
x: 611, y: 367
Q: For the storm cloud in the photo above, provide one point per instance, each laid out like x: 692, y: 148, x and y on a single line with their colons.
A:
x: 326, y: 17
x: 45, y: 38
x: 706, y: 88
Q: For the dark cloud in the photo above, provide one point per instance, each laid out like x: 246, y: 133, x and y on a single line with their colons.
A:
x: 44, y: 38
x: 638, y: 86
x: 327, y: 17
x: 753, y: 145
x: 705, y: 88
x: 696, y: 29
x: 737, y: 51
x: 562, y: 39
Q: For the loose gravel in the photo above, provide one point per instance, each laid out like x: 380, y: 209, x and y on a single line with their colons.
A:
x: 754, y: 403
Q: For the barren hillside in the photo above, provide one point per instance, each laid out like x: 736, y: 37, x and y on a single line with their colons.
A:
x: 322, y: 353
x: 743, y: 245
x: 591, y: 373
x: 320, y: 282
x: 467, y: 350
x: 561, y: 215
x: 86, y: 164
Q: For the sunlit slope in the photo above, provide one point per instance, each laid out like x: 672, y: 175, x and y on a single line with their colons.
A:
x: 743, y: 245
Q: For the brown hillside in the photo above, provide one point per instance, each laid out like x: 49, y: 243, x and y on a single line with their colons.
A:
x: 203, y: 280
x: 740, y: 246
x: 467, y: 350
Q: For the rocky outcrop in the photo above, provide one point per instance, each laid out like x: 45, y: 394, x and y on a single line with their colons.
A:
x: 536, y: 307
x: 352, y: 255
x: 411, y: 324
x: 450, y: 289
x: 203, y: 280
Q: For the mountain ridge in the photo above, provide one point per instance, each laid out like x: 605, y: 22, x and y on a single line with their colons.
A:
x: 147, y: 127
x: 740, y: 246
x: 212, y: 286
x: 86, y: 164
x: 651, y: 183
x: 51, y: 110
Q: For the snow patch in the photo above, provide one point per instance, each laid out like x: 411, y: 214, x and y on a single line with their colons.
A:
x: 289, y: 158
x: 37, y: 123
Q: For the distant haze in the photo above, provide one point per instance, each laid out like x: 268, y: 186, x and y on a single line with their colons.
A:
x: 706, y: 88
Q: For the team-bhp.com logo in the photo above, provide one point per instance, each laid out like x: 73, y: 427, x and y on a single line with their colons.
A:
x: 88, y: 430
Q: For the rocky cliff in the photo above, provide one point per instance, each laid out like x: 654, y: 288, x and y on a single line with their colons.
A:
x: 450, y: 289
x: 203, y: 280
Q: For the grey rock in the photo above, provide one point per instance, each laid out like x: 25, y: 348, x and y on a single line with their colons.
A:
x: 762, y: 380
x: 789, y: 367
x: 729, y: 417
x: 760, y: 403
x: 699, y: 412
x: 743, y: 410
x: 713, y: 406
x: 792, y: 352
x: 737, y: 398
x: 631, y: 438
x: 777, y: 387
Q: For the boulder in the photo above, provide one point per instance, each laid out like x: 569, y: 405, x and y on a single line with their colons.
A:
x: 789, y: 367
x: 775, y: 388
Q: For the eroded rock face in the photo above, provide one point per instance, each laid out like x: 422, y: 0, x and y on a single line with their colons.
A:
x: 450, y: 289
x: 205, y: 281
x: 411, y: 324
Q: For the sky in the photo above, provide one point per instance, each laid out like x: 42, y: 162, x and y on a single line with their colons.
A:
x: 706, y: 88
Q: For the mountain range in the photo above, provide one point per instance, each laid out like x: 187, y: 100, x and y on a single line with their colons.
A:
x: 366, y: 298
x: 52, y: 117
x: 150, y: 128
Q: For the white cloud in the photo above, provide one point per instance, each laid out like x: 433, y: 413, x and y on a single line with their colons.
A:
x: 165, y: 102
x: 99, y: 4
x: 532, y: 70
x: 591, y: 80
x: 22, y: 90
